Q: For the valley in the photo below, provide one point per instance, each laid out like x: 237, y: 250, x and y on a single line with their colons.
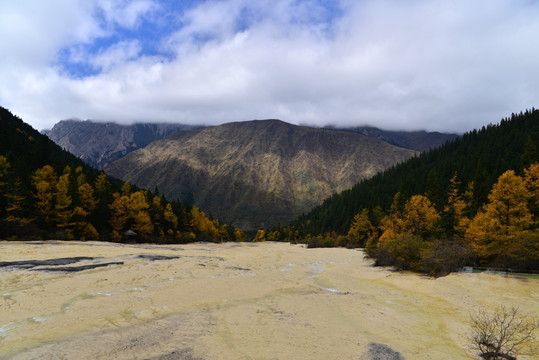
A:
x: 236, y: 301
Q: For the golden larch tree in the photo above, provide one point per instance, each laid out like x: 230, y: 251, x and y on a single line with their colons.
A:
x: 503, y: 218
x: 360, y: 229
x: 62, y: 207
x: 119, y: 215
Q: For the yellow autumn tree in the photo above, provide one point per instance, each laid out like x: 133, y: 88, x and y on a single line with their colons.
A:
x: 62, y: 207
x: 419, y: 217
x: 260, y: 236
x: 504, y: 217
x: 392, y: 224
x: 157, y: 213
x: 143, y: 224
x: 138, y: 211
x: 88, y: 204
x: 125, y: 189
x: 360, y: 229
x: 15, y: 213
x: 170, y: 217
x: 240, y: 235
x: 102, y: 185
x: 80, y: 176
x: 119, y: 215
x: 205, y: 226
x: 454, y: 217
x: 45, y: 180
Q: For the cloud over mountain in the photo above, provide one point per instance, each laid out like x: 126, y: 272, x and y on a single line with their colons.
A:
x: 448, y: 66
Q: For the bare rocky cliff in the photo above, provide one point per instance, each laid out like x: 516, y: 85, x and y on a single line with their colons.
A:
x: 256, y: 173
x: 99, y: 143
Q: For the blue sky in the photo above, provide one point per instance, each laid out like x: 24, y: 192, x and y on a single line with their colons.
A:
x: 419, y: 64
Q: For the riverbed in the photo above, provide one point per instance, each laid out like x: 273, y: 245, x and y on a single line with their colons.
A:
x: 94, y: 300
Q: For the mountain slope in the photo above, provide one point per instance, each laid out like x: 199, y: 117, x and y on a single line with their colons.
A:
x: 479, y: 156
x: 49, y: 193
x: 415, y: 140
x: 99, y: 143
x: 257, y: 173
x: 26, y: 149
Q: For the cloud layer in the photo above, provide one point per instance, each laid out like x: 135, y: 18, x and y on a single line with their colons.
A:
x: 421, y: 64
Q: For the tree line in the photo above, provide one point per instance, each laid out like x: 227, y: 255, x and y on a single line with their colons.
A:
x: 480, y: 156
x: 481, y: 214
x: 48, y: 193
x: 69, y: 206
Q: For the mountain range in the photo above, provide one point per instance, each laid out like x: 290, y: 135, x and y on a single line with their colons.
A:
x: 256, y: 174
x: 253, y: 174
x: 100, y: 143
x: 415, y: 140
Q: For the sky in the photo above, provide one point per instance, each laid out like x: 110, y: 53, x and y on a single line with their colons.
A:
x: 438, y: 65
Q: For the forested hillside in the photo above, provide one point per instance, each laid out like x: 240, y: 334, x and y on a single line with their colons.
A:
x: 479, y: 156
x: 48, y: 193
x: 474, y: 201
x: 415, y: 140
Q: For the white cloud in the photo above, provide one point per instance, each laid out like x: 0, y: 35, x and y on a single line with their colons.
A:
x: 437, y: 65
x: 126, y: 13
x: 117, y: 54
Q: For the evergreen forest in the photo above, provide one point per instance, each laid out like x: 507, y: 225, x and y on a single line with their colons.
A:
x: 472, y: 201
x: 48, y: 193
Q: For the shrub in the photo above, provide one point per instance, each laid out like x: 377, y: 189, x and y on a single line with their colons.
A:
x: 503, y: 334
x: 402, y: 251
x: 446, y: 256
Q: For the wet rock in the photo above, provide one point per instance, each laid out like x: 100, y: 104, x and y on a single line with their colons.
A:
x: 238, y: 268
x: 157, y: 257
x: 381, y: 352
x: 72, y: 269
x: 184, y: 354
x: 29, y: 264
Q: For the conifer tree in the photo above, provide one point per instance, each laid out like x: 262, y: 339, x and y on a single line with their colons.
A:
x: 45, y: 181
x: 454, y: 221
x: 119, y: 215
x: 504, y: 217
x: 530, y: 154
x: 531, y: 177
x: 361, y: 229
x: 62, y: 207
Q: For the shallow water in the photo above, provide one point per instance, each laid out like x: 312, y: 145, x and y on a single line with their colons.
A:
x: 234, y: 301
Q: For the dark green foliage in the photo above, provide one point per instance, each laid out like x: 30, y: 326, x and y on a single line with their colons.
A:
x: 479, y: 156
x: 530, y: 154
x: 24, y: 150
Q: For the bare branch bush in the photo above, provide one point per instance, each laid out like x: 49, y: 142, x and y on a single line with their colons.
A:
x: 503, y: 334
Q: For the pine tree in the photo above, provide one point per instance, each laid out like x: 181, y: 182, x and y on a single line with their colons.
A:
x: 454, y: 221
x: 530, y: 154
x: 531, y: 177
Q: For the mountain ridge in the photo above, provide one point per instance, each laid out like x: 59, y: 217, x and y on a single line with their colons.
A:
x: 256, y: 173
x: 420, y: 140
x: 99, y: 143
